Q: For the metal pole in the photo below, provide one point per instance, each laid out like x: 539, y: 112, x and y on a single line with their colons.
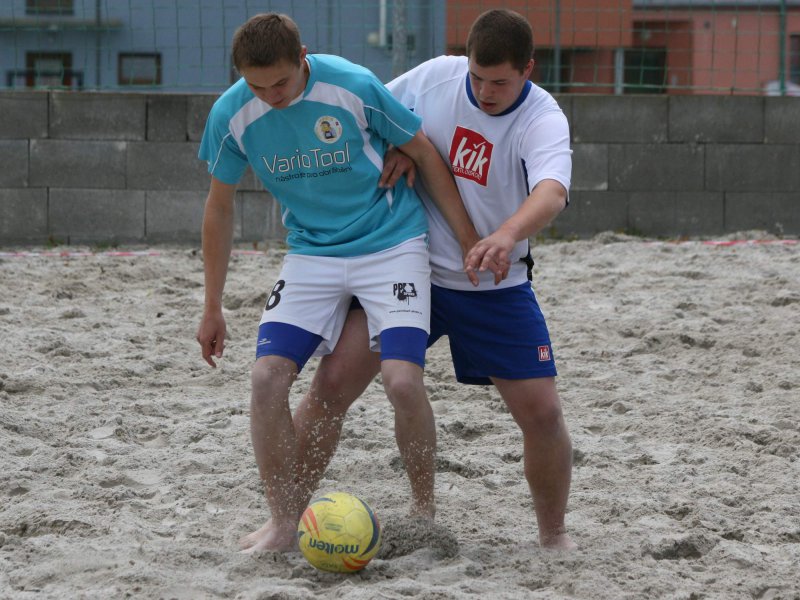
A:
x: 97, y: 43
x: 782, y: 48
x: 399, y: 38
x: 382, y: 10
x: 619, y: 71
x: 329, y: 28
x: 557, y: 50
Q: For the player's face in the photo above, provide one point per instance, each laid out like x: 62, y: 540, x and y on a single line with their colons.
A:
x: 278, y: 84
x: 497, y: 87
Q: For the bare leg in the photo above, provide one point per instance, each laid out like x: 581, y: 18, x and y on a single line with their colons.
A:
x: 415, y: 430
x: 340, y: 379
x: 275, y: 448
x: 535, y: 406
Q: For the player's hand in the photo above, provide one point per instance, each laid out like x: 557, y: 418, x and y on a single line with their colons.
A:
x: 491, y: 254
x: 466, y: 245
x: 395, y: 165
x: 211, y: 336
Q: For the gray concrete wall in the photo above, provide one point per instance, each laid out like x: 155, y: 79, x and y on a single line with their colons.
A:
x: 110, y: 168
x: 106, y: 168
x: 673, y: 166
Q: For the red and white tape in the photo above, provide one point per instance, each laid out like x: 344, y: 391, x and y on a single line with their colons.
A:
x: 138, y: 253
x: 114, y: 253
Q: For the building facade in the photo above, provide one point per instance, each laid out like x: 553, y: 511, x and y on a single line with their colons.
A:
x: 655, y: 46
x: 184, y: 45
x: 583, y: 46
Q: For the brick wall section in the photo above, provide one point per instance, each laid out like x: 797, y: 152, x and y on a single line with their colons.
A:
x: 122, y: 168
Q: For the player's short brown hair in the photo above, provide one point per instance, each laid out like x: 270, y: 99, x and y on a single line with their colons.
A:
x: 499, y: 36
x: 265, y: 40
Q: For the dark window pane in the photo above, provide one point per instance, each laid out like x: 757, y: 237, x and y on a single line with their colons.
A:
x: 49, y: 7
x: 645, y: 70
x: 139, y: 69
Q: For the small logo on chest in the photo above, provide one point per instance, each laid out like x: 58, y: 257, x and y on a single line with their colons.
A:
x: 328, y: 129
x: 470, y: 155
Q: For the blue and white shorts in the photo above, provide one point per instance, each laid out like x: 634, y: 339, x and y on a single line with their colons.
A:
x: 313, y: 295
x: 493, y: 333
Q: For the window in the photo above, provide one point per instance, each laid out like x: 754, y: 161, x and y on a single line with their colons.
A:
x: 411, y: 42
x: 49, y: 7
x: 552, y: 74
x: 48, y: 69
x: 139, y: 68
x: 645, y: 70
x: 794, y: 58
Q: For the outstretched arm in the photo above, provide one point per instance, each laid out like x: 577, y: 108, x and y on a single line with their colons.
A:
x: 543, y: 205
x: 217, y: 242
x: 439, y: 182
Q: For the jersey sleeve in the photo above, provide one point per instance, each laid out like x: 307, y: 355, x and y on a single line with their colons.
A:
x: 219, y: 148
x: 387, y: 117
x: 408, y: 86
x: 404, y: 89
x: 546, y: 151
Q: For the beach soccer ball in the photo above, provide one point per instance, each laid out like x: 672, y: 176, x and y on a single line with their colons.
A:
x: 339, y: 532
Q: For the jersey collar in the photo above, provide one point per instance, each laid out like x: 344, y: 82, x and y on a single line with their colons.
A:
x: 520, y: 99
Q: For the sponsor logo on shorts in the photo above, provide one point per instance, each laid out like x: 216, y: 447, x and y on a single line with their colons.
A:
x: 404, y: 291
x: 544, y: 353
x: 470, y: 155
x: 264, y: 342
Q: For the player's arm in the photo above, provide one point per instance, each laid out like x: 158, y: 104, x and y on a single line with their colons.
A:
x: 217, y: 243
x: 544, y: 203
x: 440, y: 184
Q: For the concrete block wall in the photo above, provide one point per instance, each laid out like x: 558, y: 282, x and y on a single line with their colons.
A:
x: 106, y: 168
x: 672, y: 166
x: 110, y: 168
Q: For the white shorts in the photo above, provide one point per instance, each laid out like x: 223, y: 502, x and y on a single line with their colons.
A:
x: 314, y: 292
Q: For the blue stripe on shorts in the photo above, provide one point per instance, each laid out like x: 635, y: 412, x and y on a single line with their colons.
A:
x: 404, y: 343
x: 289, y: 341
x: 493, y: 333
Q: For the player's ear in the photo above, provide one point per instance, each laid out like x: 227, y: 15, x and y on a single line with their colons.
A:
x: 303, y: 52
x: 529, y: 69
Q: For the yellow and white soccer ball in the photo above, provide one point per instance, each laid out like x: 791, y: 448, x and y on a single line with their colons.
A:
x: 339, y: 532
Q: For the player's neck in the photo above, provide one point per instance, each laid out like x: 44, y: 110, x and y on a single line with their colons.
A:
x: 306, y: 72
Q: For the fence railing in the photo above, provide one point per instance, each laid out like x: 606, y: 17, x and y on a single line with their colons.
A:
x: 582, y: 46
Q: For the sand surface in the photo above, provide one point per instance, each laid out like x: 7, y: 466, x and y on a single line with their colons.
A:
x: 126, y: 468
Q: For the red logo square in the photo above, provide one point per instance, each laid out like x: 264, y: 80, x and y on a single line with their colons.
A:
x: 544, y: 353
x: 470, y: 155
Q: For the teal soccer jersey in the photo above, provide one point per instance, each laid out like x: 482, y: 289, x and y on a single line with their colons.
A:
x: 321, y: 158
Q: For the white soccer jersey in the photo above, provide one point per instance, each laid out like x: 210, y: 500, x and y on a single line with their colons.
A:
x: 496, y: 160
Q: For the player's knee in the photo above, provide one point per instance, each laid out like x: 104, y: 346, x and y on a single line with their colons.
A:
x: 543, y: 418
x: 270, y: 373
x: 330, y: 384
x: 404, y: 389
x: 330, y: 391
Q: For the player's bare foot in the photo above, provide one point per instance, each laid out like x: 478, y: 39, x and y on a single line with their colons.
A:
x: 424, y: 513
x: 251, y: 539
x: 271, y: 537
x: 557, y: 541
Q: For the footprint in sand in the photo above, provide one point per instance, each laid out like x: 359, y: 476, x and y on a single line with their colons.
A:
x: 404, y: 535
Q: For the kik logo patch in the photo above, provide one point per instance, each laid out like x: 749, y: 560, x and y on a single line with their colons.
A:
x: 470, y: 155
